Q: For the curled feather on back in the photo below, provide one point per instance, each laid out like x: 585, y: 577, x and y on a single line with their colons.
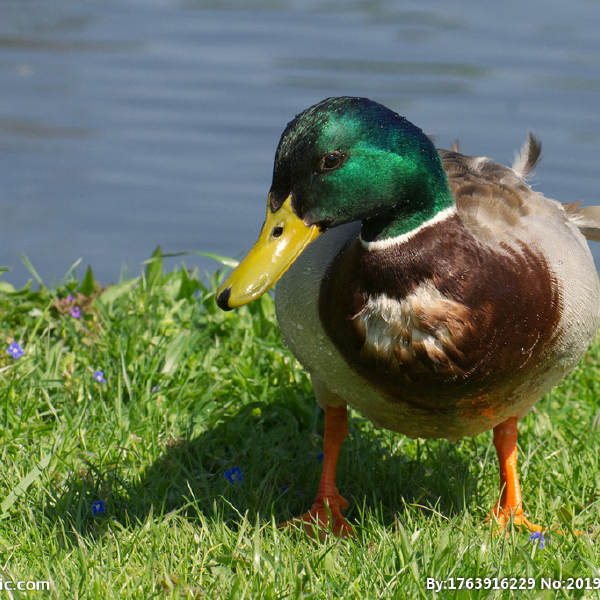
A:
x: 586, y: 218
x: 529, y: 156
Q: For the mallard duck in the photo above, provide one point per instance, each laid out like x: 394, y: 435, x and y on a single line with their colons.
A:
x: 434, y: 292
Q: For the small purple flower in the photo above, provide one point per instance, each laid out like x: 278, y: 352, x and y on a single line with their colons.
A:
x: 320, y: 457
x: 98, y: 507
x: 70, y: 298
x: 99, y: 376
x: 536, y: 535
x: 235, y: 472
x: 15, y: 350
x: 76, y: 312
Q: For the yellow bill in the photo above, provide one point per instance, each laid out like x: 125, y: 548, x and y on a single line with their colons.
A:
x: 282, y: 239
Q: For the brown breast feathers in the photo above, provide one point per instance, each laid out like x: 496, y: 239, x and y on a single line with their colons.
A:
x: 441, y: 317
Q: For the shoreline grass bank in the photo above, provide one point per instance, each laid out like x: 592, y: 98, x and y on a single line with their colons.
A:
x: 151, y: 443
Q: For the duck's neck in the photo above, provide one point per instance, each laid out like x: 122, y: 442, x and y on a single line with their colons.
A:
x: 434, y: 201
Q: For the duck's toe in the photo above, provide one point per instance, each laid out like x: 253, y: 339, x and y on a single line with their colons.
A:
x: 325, y: 515
x: 518, y: 518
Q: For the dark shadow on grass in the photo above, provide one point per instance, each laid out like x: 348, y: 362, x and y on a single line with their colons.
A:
x: 276, y: 451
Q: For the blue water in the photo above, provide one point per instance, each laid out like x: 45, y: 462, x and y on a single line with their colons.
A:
x: 127, y: 124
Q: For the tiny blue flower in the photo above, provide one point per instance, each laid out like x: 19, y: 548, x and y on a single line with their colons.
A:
x: 536, y: 535
x: 76, y: 312
x: 235, y: 471
x: 98, y: 507
x: 284, y: 489
x: 99, y: 376
x: 15, y: 350
x: 70, y: 298
x: 320, y: 457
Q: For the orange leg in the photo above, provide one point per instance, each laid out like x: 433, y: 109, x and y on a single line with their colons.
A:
x: 510, y: 503
x: 336, y: 430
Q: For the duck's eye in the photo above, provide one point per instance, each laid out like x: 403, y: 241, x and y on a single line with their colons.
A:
x: 277, y: 231
x: 331, y: 161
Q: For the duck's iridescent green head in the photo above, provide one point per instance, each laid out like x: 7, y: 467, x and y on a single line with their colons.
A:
x: 342, y: 160
x: 348, y: 159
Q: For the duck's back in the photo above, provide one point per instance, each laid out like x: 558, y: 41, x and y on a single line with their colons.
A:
x: 504, y: 214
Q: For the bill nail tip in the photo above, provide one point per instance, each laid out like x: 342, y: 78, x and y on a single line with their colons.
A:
x: 223, y: 299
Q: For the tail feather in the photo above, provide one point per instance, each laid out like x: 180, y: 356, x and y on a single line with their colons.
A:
x: 586, y: 219
x: 529, y: 156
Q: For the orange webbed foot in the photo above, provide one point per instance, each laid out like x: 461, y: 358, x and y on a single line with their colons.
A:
x: 510, y: 505
x: 518, y: 518
x: 325, y: 514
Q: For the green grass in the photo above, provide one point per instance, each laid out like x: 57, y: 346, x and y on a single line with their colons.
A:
x: 192, y: 392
